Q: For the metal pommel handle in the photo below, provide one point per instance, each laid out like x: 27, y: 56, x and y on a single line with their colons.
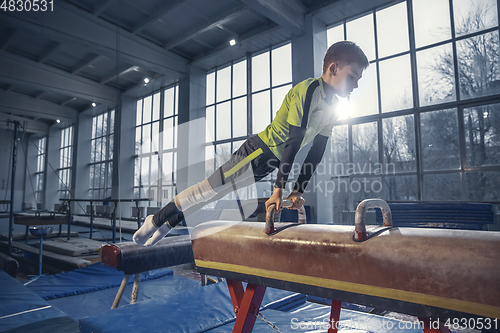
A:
x: 271, y: 210
x: 360, y: 233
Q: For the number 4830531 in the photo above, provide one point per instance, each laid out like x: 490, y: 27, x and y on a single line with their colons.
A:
x: 472, y: 323
x: 27, y: 5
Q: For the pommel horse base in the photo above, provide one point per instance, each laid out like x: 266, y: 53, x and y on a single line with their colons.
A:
x: 427, y: 273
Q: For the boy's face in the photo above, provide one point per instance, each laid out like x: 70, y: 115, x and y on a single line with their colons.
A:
x: 344, y: 79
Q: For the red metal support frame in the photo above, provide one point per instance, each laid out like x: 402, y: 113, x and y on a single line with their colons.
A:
x: 334, y: 316
x: 246, y: 304
x: 236, y: 291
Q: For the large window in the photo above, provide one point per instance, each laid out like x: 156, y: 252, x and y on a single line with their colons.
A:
x: 427, y: 109
x: 101, y: 156
x: 226, y: 113
x: 242, y: 99
x: 156, y: 146
x: 271, y: 81
x: 65, y: 158
x: 40, y: 172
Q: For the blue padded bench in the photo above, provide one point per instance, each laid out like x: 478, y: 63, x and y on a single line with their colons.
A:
x: 451, y: 215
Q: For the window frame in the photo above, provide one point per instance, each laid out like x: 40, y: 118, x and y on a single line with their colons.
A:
x: 65, y: 166
x: 104, y: 188
x: 158, y: 190
x: 460, y: 104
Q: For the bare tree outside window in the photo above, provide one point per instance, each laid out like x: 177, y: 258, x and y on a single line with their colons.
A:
x: 479, y: 65
x: 399, y: 143
x: 478, y: 75
x: 478, y: 60
x: 440, y: 144
x: 457, y: 115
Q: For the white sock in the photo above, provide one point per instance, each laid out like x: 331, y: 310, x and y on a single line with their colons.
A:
x: 145, y: 231
x: 195, y: 194
x: 158, y: 235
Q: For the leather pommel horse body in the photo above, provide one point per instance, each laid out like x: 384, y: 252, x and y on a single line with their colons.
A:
x: 429, y: 273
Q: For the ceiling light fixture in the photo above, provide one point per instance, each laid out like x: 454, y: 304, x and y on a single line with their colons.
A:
x: 58, y: 121
x: 232, y: 42
x: 93, y: 105
x: 146, y: 80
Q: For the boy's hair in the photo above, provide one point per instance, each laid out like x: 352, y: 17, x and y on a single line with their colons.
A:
x: 344, y: 53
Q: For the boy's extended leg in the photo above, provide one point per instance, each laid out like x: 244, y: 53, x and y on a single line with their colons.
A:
x: 170, y: 215
x: 189, y: 200
x: 167, y: 226
x: 253, y: 152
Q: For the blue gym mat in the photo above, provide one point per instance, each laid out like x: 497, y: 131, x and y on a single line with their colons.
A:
x: 313, y: 317
x: 95, y: 303
x: 209, y: 309
x: 21, y: 310
x: 195, y: 310
x: 85, y: 280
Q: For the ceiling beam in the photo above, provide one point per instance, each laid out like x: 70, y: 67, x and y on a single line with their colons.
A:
x: 244, y: 38
x: 215, y: 21
x: 29, y: 125
x: 260, y: 17
x: 101, y: 7
x: 74, y: 26
x: 202, y: 42
x: 5, y: 42
x: 54, y: 47
x: 288, y: 16
x: 39, y: 94
x: 115, y: 75
x: 66, y: 101
x: 24, y: 72
x: 84, y: 63
x: 343, y: 9
x: 228, y: 31
x: 24, y: 105
x: 168, y: 7
x: 153, y: 82
x: 298, y: 6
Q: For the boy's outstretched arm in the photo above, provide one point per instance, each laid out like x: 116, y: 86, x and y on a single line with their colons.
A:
x: 310, y: 164
x: 292, y: 146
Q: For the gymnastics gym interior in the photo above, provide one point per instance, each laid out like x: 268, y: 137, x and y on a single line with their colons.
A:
x: 111, y: 108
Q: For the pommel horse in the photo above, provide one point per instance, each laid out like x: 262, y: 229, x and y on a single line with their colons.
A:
x: 427, y: 273
x: 134, y: 259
